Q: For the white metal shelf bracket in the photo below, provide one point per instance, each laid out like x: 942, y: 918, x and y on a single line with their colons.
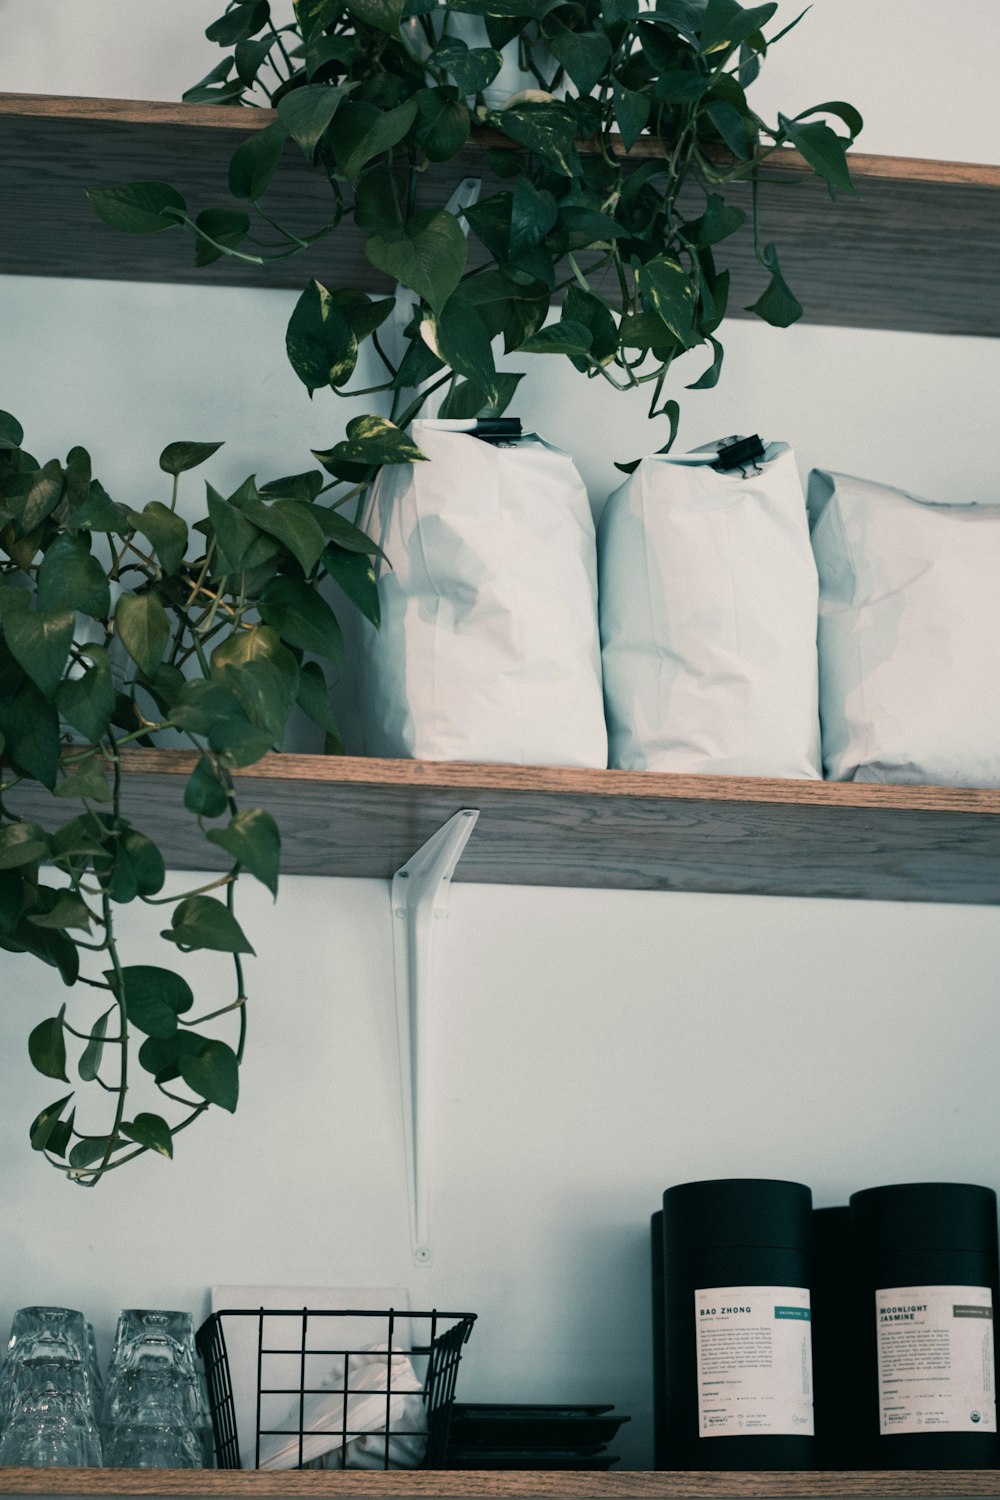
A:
x: 420, y: 900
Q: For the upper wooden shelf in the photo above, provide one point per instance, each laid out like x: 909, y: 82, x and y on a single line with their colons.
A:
x: 401, y: 1484
x: 881, y: 262
x: 630, y: 830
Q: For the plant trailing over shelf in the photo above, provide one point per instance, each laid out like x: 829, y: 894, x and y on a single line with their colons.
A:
x: 622, y: 163
x: 116, y: 624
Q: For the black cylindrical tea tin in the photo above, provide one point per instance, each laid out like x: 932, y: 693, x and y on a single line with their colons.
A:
x: 927, y: 1263
x: 836, y: 1339
x: 659, y: 1334
x: 738, y: 1352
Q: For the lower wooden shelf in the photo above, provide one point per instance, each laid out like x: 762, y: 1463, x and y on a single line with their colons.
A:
x: 631, y: 830
x: 497, y: 1484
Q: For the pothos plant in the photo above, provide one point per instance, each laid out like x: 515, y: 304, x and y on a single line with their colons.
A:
x: 116, y: 623
x: 622, y: 161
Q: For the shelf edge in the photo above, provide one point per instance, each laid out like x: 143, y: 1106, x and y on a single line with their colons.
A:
x: 652, y: 785
x: 864, y: 165
x: 494, y: 1484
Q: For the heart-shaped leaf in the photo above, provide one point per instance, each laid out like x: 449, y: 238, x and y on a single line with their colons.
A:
x: 239, y: 22
x: 137, y: 207
x: 314, y: 701
x: 154, y: 998
x: 667, y: 290
x: 69, y: 577
x: 252, y: 838
x: 88, y: 702
x: 204, y: 793
x: 90, y: 1060
x: 44, y: 1123
x: 302, y: 617
x: 149, y: 1130
x: 177, y: 458
x: 142, y: 626
x: 11, y: 431
x: 384, y: 15
x: 472, y: 68
x: 442, y: 123
x: 320, y: 342
x: 203, y: 922
x: 583, y: 54
x: 47, y: 1047
x: 22, y: 843
x: 253, y: 164
x: 364, y: 132
x: 548, y: 129
x: 777, y: 305
x: 463, y: 342
x: 89, y: 783
x: 213, y: 1073
x: 726, y: 23
x: 564, y: 337
x: 166, y: 530
x: 427, y: 254
x: 306, y: 112
x: 67, y: 910
x: 631, y: 113
x: 824, y: 150
x: 39, y: 642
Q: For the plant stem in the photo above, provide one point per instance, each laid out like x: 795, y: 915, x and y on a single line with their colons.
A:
x: 213, y: 885
x: 118, y: 985
x: 211, y: 1015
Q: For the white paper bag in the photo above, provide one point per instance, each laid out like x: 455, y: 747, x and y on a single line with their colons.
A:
x: 489, y: 646
x: 909, y: 634
x: 708, y: 619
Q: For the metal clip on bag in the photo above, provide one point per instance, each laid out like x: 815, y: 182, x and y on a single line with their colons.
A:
x: 489, y: 646
x: 909, y: 634
x: 708, y: 598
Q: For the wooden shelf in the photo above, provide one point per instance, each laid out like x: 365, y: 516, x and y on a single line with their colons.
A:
x: 881, y: 262
x: 496, y: 1485
x: 621, y: 829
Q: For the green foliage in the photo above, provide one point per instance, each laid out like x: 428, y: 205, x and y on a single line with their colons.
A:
x: 117, y: 622
x: 627, y: 173
x: 632, y: 112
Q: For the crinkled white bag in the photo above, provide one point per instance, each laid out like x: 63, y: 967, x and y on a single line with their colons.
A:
x: 909, y: 634
x: 488, y: 649
x: 708, y: 619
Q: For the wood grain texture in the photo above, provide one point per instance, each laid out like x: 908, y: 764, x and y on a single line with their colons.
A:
x: 493, y: 1485
x: 357, y: 817
x: 878, y: 262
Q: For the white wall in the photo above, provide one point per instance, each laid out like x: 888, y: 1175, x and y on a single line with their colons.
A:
x: 594, y: 1047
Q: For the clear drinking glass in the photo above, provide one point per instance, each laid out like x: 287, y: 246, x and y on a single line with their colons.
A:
x: 45, y: 1331
x: 47, y: 1410
x: 152, y: 1426
x: 154, y: 1401
x: 51, y: 1418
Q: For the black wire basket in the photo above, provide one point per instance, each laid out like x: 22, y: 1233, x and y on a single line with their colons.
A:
x: 332, y: 1389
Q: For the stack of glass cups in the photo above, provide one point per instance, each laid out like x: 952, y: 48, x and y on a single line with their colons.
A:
x: 154, y: 1414
x: 47, y: 1412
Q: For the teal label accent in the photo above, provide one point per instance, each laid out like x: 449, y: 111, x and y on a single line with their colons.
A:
x: 803, y: 1314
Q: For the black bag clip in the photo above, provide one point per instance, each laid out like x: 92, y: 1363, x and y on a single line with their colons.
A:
x: 739, y: 453
x: 497, y: 429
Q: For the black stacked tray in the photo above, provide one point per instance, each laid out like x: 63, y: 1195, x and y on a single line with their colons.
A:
x: 496, y: 1436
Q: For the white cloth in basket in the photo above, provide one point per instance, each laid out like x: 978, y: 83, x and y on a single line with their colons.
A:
x: 369, y: 1411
